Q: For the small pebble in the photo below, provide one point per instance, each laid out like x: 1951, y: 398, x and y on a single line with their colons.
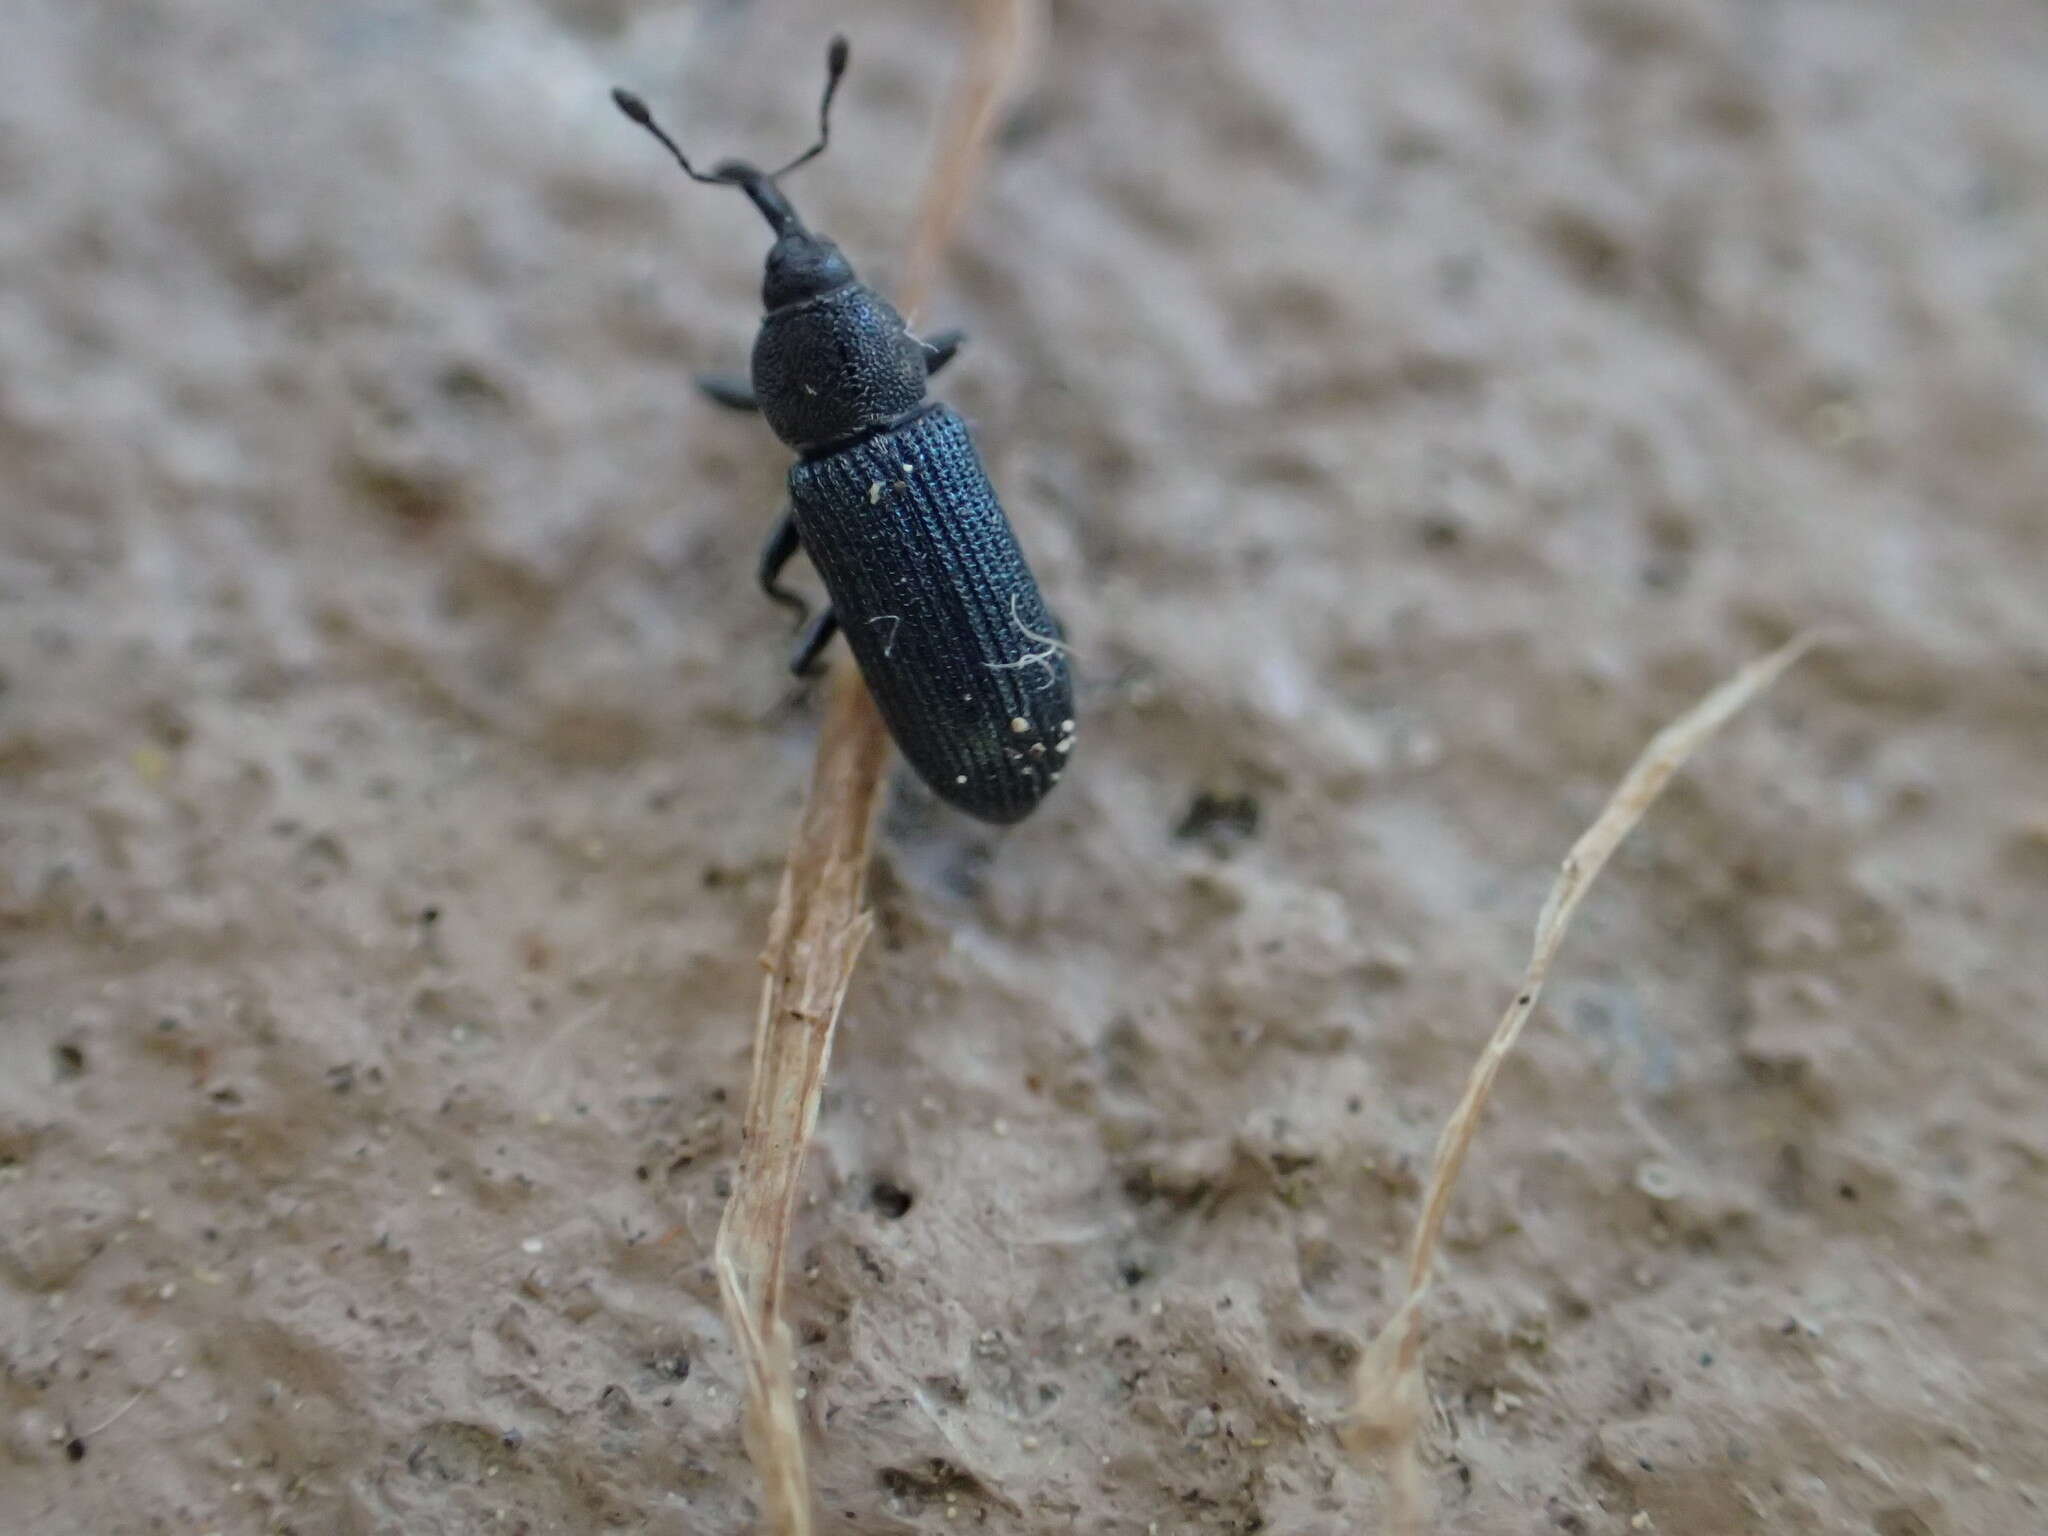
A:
x: 1837, y: 424
x: 1658, y: 1180
x: 1422, y: 750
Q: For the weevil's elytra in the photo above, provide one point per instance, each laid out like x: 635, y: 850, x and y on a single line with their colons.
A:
x: 889, y: 499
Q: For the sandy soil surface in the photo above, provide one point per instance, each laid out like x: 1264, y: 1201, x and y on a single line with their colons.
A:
x: 1408, y: 407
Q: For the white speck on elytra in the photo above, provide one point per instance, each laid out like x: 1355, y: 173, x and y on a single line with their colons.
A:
x: 1067, y: 726
x: 874, y: 493
x: 1019, y: 724
x: 959, y: 778
x: 1066, y: 745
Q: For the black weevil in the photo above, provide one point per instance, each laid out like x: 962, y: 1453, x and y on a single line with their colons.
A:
x: 890, y: 501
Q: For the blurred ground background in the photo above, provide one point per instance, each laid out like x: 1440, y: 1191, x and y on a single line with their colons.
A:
x: 1409, y: 406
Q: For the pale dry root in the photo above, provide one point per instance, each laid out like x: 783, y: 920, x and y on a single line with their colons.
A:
x: 1387, y: 1390
x: 820, y: 920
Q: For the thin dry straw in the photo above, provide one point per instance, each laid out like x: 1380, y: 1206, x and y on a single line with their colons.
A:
x: 1387, y: 1398
x: 820, y: 921
x: 814, y: 939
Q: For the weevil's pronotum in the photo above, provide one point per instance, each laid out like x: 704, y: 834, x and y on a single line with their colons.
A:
x: 889, y: 499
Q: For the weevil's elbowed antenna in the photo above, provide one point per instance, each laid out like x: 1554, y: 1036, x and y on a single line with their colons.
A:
x: 836, y: 57
x: 758, y: 185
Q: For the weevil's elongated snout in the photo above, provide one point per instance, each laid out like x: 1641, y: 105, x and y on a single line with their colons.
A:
x: 800, y: 265
x: 763, y: 194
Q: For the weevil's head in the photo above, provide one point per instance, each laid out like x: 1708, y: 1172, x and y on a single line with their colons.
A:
x: 803, y: 267
x: 800, y: 265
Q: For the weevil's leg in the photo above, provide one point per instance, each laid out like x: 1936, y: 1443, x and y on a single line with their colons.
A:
x: 817, y: 635
x: 730, y: 390
x: 782, y: 545
x: 939, y: 350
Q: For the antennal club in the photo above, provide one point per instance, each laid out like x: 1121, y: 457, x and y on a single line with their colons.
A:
x: 636, y: 110
x: 836, y: 57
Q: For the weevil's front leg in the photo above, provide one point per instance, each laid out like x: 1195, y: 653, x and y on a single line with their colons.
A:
x: 803, y: 663
x: 940, y: 350
x: 730, y: 390
x: 781, y: 547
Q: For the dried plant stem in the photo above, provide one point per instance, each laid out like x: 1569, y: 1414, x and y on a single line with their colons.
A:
x: 814, y: 938
x: 998, y: 60
x: 1387, y: 1387
x: 820, y: 921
